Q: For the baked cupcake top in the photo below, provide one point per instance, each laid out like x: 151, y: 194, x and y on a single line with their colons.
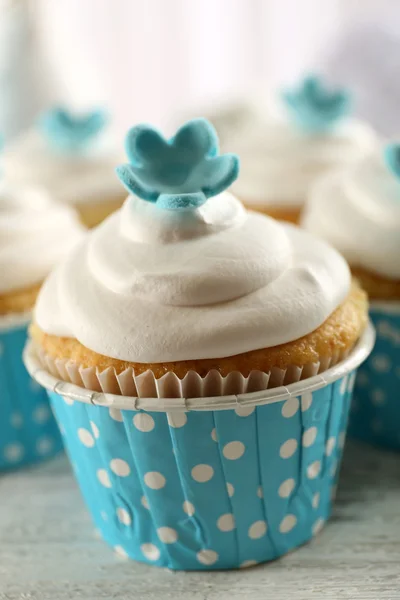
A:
x: 358, y: 211
x: 183, y: 271
x: 314, y: 132
x: 72, y: 157
x: 35, y: 233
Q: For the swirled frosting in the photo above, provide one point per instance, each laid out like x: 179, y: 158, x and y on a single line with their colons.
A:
x: 87, y: 176
x: 150, y: 285
x: 358, y: 211
x: 279, y: 162
x: 35, y: 233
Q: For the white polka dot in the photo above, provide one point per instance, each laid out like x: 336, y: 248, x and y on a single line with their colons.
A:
x: 120, y: 467
x: 120, y: 551
x: 104, y: 515
x: 315, y: 500
x: 330, y: 446
x: 95, y: 430
x: 233, y: 450
x: 230, y: 489
x: 44, y: 445
x: 378, y: 397
x: 318, y: 525
x: 257, y: 530
x: 248, y: 563
x: 68, y: 400
x: 226, y: 522
x: 214, y: 435
x: 313, y: 469
x: 244, y: 411
x: 150, y: 551
x: 41, y: 414
x: 306, y: 401
x: 123, y: 516
x: 16, y: 420
x: 144, y: 502
x: 188, y: 508
x: 343, y: 385
x: 260, y: 492
x: 381, y: 363
x: 155, y: 480
x: 177, y: 420
x: 362, y: 379
x: 286, y: 488
x: 342, y: 439
x: 288, y: 448
x: 143, y: 422
x: 167, y: 535
x: 207, y: 557
x: 290, y: 408
x: 309, y: 437
x: 86, y: 437
x: 103, y: 477
x: 115, y: 414
x: 287, y: 523
x: 14, y: 452
x: 202, y: 473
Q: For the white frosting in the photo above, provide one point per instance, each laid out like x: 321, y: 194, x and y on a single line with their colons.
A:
x: 358, y: 211
x: 151, y: 286
x: 35, y: 233
x: 279, y: 163
x: 88, y: 176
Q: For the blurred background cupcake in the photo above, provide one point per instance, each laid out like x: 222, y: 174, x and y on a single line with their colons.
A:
x: 358, y: 211
x: 73, y: 157
x: 282, y: 154
x: 180, y: 305
x: 34, y: 234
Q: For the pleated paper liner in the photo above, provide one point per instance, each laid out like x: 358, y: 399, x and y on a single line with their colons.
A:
x: 28, y: 432
x: 208, y: 482
x: 146, y: 385
x: 375, y: 416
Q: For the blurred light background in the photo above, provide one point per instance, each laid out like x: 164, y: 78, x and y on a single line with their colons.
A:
x: 151, y: 60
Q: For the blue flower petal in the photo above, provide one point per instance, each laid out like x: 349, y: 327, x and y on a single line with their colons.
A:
x: 181, y: 202
x: 68, y: 132
x: 185, y: 165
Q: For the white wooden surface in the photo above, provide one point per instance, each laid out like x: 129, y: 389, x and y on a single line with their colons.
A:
x: 48, y: 550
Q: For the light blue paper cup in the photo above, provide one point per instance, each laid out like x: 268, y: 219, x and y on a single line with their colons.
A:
x: 208, y: 483
x: 375, y: 414
x: 28, y: 431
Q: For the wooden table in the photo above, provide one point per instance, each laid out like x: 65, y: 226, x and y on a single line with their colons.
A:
x: 49, y: 551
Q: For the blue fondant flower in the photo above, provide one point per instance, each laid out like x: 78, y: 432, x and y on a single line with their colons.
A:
x: 314, y: 108
x: 71, y: 133
x: 179, y: 173
x: 391, y: 156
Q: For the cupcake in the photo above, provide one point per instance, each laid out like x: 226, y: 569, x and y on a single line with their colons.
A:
x: 73, y: 158
x: 34, y: 234
x: 358, y: 211
x: 281, y: 159
x: 174, y: 341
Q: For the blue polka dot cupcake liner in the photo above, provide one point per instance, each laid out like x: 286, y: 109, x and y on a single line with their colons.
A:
x: 28, y: 431
x: 208, y: 483
x: 375, y: 412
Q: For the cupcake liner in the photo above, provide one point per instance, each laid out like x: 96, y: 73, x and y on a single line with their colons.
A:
x: 375, y: 415
x: 192, y: 385
x: 28, y: 432
x: 207, y: 483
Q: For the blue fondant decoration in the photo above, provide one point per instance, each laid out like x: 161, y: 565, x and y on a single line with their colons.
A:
x: 314, y: 108
x: 71, y: 133
x: 391, y: 156
x: 180, y: 173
